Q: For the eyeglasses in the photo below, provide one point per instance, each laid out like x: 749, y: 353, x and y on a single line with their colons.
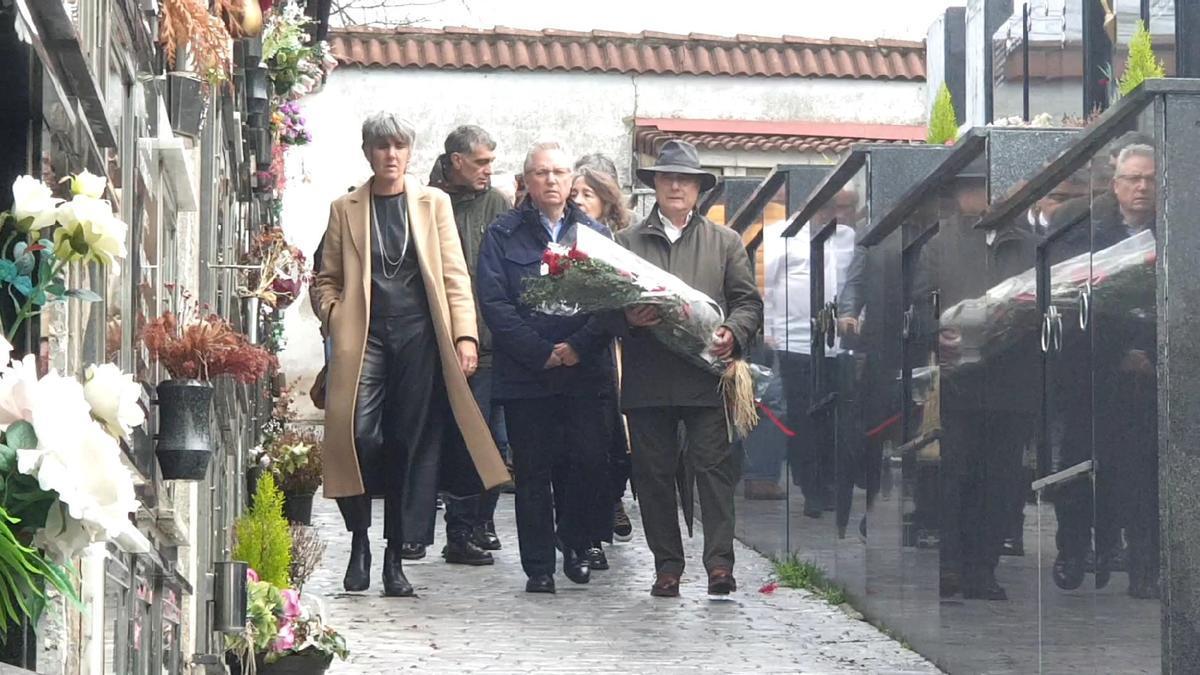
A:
x: 543, y: 174
x: 1137, y: 178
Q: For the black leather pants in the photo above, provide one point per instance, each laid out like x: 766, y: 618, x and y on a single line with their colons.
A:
x: 398, y: 426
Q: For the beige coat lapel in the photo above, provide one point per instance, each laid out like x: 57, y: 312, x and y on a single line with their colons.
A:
x: 358, y: 216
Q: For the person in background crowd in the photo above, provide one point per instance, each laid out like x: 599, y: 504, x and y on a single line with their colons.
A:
x: 604, y: 164
x: 395, y: 296
x: 598, y: 194
x: 1124, y: 359
x: 464, y: 172
x: 550, y: 374
x: 660, y: 389
x: 788, y: 327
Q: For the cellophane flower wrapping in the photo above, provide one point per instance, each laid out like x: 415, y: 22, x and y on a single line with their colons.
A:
x: 1120, y: 277
x: 598, y: 275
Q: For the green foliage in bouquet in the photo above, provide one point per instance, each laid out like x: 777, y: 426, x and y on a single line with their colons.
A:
x: 591, y: 284
x: 943, y: 126
x: 1142, y: 64
x: 264, y: 540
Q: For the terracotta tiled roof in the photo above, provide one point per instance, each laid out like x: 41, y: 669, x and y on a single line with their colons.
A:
x: 812, y: 137
x: 501, y: 48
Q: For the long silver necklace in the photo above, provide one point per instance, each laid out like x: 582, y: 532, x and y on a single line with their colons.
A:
x: 391, y: 268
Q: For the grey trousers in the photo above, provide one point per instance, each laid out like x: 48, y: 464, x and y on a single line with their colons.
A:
x: 657, y: 458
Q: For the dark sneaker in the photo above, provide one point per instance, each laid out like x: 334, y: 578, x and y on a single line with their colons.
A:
x: 596, y: 558
x: 622, y: 528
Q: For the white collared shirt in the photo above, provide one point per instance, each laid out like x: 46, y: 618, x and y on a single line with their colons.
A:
x: 673, y: 232
x: 787, y: 302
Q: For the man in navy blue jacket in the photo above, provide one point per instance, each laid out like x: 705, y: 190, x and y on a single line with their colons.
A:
x: 549, y: 373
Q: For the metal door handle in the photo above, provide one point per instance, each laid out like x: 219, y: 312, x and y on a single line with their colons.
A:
x: 906, y: 323
x: 1058, y: 331
x: 1046, y: 332
x: 1085, y: 307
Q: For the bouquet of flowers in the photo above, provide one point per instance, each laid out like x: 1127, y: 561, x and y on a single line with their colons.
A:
x: 48, y: 234
x: 282, y: 269
x: 290, y: 126
x: 1120, y: 276
x: 295, y: 460
x: 297, y: 67
x: 280, y: 626
x: 599, y: 275
x: 50, y: 510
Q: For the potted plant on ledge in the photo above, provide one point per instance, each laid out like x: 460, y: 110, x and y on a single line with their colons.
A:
x: 294, y: 459
x: 194, y: 351
x: 284, y: 634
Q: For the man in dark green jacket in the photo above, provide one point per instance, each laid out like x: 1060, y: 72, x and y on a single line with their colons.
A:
x: 661, y: 390
x: 465, y: 173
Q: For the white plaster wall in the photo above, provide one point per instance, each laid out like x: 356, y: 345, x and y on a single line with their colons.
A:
x: 587, y: 112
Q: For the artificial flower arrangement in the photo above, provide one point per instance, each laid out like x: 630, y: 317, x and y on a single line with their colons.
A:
x: 294, y: 458
x: 289, y: 124
x: 49, y: 509
x: 297, y: 67
x: 80, y: 229
x: 280, y: 626
x: 282, y: 270
x: 192, y: 347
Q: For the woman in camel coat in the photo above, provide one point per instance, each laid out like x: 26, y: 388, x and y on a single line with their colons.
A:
x: 394, y: 295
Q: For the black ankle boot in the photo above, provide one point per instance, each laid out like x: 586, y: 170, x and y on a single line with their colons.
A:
x: 358, y: 571
x: 460, y: 550
x: 395, y: 584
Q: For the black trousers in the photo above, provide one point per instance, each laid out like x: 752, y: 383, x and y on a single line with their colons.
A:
x: 398, y: 426
x: 811, y: 450
x: 656, y: 461
x: 618, y: 472
x: 542, y: 430
x: 980, y: 476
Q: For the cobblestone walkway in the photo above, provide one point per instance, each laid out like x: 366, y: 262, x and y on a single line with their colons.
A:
x: 480, y: 619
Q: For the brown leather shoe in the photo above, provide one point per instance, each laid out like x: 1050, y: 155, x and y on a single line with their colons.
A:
x: 764, y: 489
x: 665, y: 586
x: 721, y: 581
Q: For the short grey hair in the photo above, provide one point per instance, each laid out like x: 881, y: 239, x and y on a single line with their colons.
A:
x: 385, y: 125
x: 540, y: 146
x: 466, y: 138
x: 1135, y: 150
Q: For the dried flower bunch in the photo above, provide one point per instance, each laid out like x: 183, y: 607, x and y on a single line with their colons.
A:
x: 189, y: 22
x: 282, y: 269
x: 190, y: 347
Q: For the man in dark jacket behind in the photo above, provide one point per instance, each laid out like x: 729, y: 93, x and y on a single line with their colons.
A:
x: 550, y: 373
x: 465, y: 173
x: 660, y: 389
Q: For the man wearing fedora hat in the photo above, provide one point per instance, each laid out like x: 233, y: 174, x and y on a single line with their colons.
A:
x: 661, y: 390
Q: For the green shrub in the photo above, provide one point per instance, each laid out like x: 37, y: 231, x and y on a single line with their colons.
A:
x: 264, y: 540
x: 943, y: 125
x: 1142, y: 64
